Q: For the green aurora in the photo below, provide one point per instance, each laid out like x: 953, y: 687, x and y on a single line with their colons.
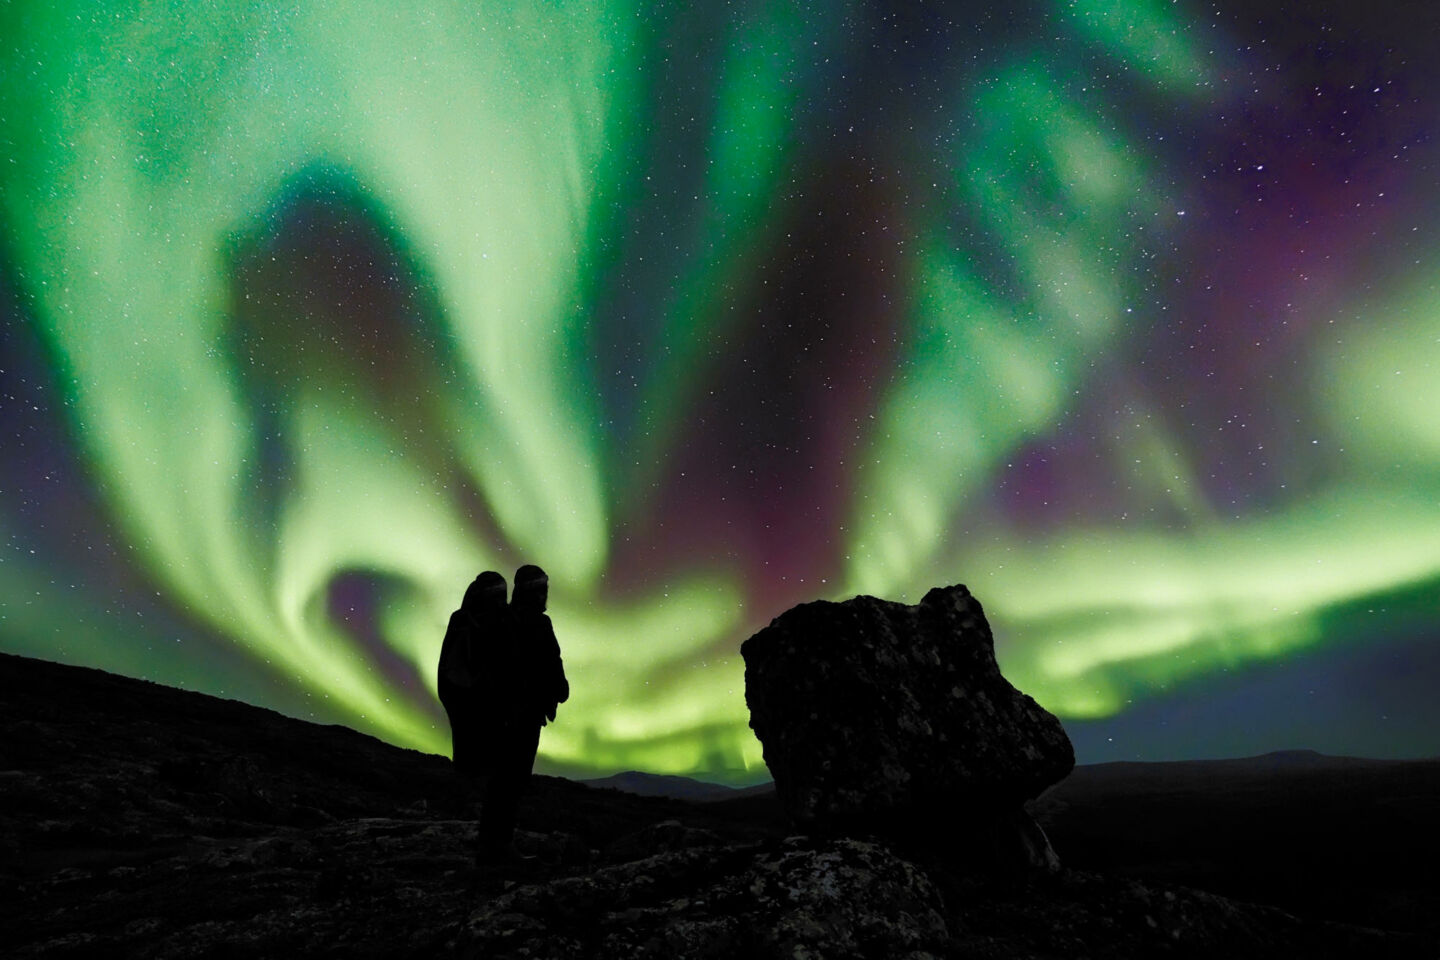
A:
x: 577, y: 208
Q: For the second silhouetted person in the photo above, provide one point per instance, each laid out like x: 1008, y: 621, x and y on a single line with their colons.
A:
x: 531, y: 685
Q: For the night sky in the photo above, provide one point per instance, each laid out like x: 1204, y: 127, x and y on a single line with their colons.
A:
x: 1122, y: 313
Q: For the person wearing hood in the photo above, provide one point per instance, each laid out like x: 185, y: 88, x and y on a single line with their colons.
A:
x: 535, y: 641
x: 535, y: 686
x: 480, y: 626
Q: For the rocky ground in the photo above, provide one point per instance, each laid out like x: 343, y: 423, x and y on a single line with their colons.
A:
x: 138, y: 820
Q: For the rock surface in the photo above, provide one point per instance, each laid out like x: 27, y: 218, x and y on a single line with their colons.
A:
x: 797, y: 899
x: 883, y: 717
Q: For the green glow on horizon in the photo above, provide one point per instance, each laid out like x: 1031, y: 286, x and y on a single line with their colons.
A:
x: 1108, y: 615
x: 499, y: 141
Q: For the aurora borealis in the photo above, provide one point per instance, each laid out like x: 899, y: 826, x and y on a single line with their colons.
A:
x: 1123, y: 313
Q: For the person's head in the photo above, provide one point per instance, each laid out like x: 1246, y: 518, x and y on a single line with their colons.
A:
x: 485, y: 594
x: 532, y: 587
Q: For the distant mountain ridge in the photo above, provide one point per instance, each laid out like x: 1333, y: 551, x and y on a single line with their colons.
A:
x: 676, y: 787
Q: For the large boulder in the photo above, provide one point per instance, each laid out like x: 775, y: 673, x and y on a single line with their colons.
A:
x: 884, y: 718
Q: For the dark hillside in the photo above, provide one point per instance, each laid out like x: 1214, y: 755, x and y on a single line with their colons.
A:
x: 139, y: 820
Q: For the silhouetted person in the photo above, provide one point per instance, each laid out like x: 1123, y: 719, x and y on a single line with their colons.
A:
x: 481, y: 624
x: 533, y: 687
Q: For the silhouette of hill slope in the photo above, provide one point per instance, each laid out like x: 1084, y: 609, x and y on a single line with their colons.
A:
x: 1327, y: 837
x: 678, y: 788
x: 1338, y: 838
x: 137, y: 819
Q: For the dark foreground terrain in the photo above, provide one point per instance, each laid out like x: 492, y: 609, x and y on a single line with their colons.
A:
x: 139, y: 820
x: 1332, y: 838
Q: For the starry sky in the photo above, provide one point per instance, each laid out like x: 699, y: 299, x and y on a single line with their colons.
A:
x: 1122, y: 312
